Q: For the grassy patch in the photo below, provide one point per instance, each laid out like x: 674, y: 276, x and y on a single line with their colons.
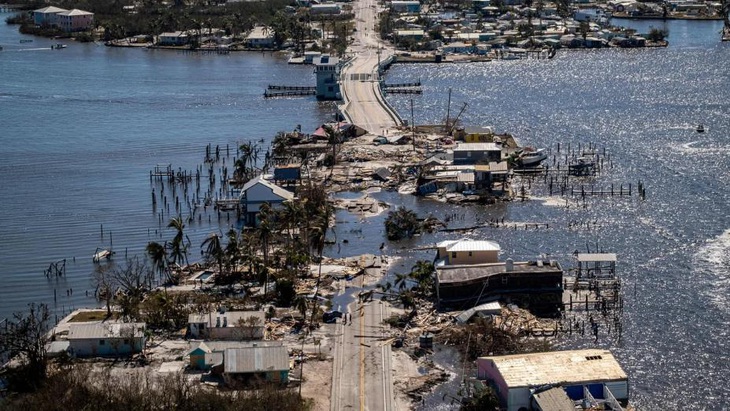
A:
x: 97, y: 315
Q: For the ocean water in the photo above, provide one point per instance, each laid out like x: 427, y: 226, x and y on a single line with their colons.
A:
x: 80, y: 129
x: 643, y: 107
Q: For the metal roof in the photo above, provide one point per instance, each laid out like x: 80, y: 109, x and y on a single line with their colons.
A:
x: 493, y: 307
x: 105, y: 330
x: 76, y: 12
x: 604, y: 257
x: 221, y: 346
x: 477, y: 146
x: 256, y: 359
x: 287, y: 195
x: 557, y: 367
x: 477, y: 272
x: 469, y: 245
x: 50, y: 9
x: 554, y: 399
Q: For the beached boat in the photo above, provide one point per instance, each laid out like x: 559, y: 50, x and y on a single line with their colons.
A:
x: 700, y: 128
x: 531, y: 157
x: 101, y: 254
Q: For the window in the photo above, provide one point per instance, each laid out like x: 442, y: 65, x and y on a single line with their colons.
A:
x: 453, y: 254
x: 126, y: 342
x: 469, y: 253
x: 505, y: 279
x: 593, y: 357
x: 102, y: 342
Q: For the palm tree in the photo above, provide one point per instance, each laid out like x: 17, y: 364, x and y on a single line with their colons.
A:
x: 401, y: 281
x: 178, y: 248
x: 334, y: 138
x: 422, y: 272
x: 158, y: 254
x: 233, y: 248
x: 266, y: 231
x: 214, y: 250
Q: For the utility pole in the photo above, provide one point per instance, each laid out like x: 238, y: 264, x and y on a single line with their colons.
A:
x: 413, y: 128
x: 448, y: 110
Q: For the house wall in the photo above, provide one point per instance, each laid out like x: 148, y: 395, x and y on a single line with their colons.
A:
x: 258, y: 195
x: 110, y: 347
x: 487, y: 371
x: 473, y: 257
x: 518, y: 398
x: 472, y: 157
x: 44, y: 19
x: 75, y: 23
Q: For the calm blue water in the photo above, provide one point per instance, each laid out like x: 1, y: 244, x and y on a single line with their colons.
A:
x: 80, y: 129
x: 674, y: 249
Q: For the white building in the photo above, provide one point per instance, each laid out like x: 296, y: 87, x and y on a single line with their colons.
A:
x: 327, y: 8
x: 230, y: 325
x: 458, y: 252
x: 584, y: 375
x: 106, y: 339
x: 260, y: 37
x: 327, y: 70
x: 257, y: 192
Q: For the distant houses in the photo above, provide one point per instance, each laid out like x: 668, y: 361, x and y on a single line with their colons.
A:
x: 556, y: 380
x: 106, y: 339
x: 174, y: 38
x: 67, y: 20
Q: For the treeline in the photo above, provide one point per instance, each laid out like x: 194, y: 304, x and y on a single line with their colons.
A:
x: 83, y: 388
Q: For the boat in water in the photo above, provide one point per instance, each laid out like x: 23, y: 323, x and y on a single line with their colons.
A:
x: 58, y: 46
x: 101, y: 254
x: 700, y: 128
x: 531, y: 157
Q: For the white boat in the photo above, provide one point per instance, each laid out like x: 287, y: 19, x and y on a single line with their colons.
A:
x: 532, y: 157
x: 700, y: 128
x: 101, y: 254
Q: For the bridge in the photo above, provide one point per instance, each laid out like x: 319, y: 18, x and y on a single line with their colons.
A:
x: 364, y: 103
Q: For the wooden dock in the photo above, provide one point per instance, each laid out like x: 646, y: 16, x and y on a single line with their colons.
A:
x: 289, y: 91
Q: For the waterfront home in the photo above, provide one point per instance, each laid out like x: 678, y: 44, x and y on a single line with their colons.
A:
x: 327, y: 70
x: 227, y: 325
x: 464, y: 251
x: 66, y: 20
x: 584, y: 378
x: 258, y: 191
x: 535, y: 285
x: 475, y: 134
x: 105, y: 339
x: 416, y: 35
x: 75, y: 20
x: 249, y: 365
x: 287, y: 174
x: 46, y: 17
x: 408, y: 6
x: 204, y: 355
x: 473, y: 153
x: 260, y: 37
x: 492, y: 177
x: 174, y: 38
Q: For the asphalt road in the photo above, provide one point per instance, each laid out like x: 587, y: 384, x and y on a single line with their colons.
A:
x: 363, y: 102
x: 362, y: 376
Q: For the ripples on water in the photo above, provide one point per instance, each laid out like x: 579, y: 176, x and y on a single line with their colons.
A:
x: 78, y: 140
x: 643, y: 106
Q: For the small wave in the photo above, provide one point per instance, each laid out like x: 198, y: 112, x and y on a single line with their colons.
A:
x: 714, y: 258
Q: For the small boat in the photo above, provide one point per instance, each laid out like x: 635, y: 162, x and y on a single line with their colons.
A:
x: 700, y: 128
x: 58, y: 46
x: 531, y: 157
x: 101, y: 254
x: 26, y: 41
x: 726, y: 34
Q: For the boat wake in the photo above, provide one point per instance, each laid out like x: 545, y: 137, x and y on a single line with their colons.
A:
x: 714, y: 258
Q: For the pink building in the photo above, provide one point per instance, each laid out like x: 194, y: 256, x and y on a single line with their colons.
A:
x: 75, y: 20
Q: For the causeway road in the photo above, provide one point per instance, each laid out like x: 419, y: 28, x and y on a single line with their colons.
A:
x: 362, y: 370
x: 364, y: 104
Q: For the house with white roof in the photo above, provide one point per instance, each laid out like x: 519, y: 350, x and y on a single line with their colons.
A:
x: 258, y: 191
x: 46, y: 16
x: 260, y: 37
x: 454, y: 252
x: 75, y: 20
x: 106, y: 339
x: 204, y: 355
x: 256, y: 363
x: 173, y: 38
x: 592, y: 377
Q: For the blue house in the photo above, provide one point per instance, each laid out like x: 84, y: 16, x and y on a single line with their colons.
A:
x: 106, y: 339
